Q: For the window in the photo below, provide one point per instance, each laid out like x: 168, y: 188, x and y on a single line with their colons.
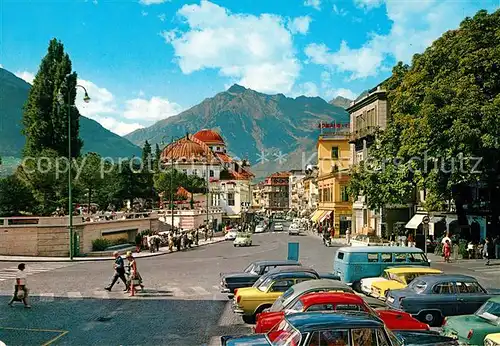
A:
x: 212, y: 174
x: 418, y: 286
x: 335, y: 153
x: 344, y: 194
x: 382, y: 338
x: 417, y: 257
x: 400, y: 257
x: 330, y: 337
x: 297, y: 307
x: 443, y: 288
x: 195, y: 172
x: 321, y: 307
x: 282, y: 285
x: 386, y: 257
x: 372, y: 257
x: 348, y: 307
x: 230, y: 199
x: 340, y: 255
x: 364, y: 337
x: 469, y: 287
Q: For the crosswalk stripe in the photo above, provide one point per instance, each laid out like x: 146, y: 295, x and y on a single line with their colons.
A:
x: 487, y: 270
x: 101, y: 294
x: 200, y: 290
x: 47, y: 297
x: 75, y: 295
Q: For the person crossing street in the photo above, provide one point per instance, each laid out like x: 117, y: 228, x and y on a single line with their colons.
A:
x: 119, y: 267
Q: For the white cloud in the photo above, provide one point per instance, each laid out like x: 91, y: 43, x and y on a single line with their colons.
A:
x: 313, y: 3
x: 299, y: 25
x: 306, y: 89
x: 256, y: 52
x: 152, y: 2
x: 118, y: 127
x: 155, y: 109
x: 415, y: 25
x: 347, y: 93
x: 27, y: 76
x: 144, y: 13
x: 1, y: 66
x: 339, y: 11
x: 368, y: 4
x: 162, y: 17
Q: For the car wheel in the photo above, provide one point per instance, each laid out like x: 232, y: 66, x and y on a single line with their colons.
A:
x: 357, y: 286
x: 432, y: 318
x: 248, y: 319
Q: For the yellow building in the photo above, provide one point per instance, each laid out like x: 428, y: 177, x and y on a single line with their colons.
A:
x: 334, y: 161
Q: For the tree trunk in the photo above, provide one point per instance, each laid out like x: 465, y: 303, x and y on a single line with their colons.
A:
x: 459, y: 196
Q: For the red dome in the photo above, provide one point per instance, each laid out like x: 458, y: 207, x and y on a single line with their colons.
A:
x: 209, y: 137
x: 186, y: 149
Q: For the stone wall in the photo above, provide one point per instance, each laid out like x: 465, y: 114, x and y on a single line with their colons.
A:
x: 51, y: 238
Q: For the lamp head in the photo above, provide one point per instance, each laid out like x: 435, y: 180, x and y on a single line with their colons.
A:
x: 86, y: 98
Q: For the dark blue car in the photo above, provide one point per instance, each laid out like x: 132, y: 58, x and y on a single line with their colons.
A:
x: 430, y: 298
x: 327, y: 328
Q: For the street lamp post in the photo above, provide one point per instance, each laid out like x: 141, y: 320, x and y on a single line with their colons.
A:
x: 86, y: 99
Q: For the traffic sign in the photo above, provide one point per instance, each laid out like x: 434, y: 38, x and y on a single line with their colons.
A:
x: 426, y: 220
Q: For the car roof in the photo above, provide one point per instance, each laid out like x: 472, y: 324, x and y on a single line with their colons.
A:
x: 404, y: 270
x: 446, y: 277
x: 291, y: 269
x: 495, y: 299
x: 276, y: 262
x: 331, y: 298
x: 292, y: 273
x: 320, y: 283
x: 368, y: 249
x: 311, y: 321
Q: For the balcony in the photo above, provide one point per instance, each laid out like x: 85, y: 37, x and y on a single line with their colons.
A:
x: 362, y: 133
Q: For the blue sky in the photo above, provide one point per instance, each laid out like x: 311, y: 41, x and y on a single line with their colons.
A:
x: 145, y: 60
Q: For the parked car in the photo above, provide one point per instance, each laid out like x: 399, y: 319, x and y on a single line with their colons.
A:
x: 358, y: 262
x: 340, y: 303
x: 397, y: 278
x: 231, y: 234
x: 260, y: 228
x: 250, y: 301
x: 474, y: 329
x: 278, y: 227
x: 326, y: 328
x: 246, y: 278
x: 243, y: 239
x: 430, y: 298
x: 293, y: 294
x: 492, y: 340
x: 294, y: 229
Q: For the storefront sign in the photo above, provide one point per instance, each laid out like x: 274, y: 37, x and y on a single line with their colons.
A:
x: 322, y: 125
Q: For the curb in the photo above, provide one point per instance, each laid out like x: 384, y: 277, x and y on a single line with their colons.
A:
x: 89, y: 259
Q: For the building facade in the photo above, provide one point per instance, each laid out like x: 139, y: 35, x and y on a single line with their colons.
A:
x: 276, y: 192
x: 297, y: 203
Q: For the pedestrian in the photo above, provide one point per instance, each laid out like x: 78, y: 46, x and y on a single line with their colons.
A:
x: 20, y: 287
x: 496, y: 243
x: 411, y: 243
x: 490, y: 250
x: 119, y: 267
x: 447, y: 251
x: 157, y: 243
x: 211, y: 234
x: 135, y: 278
x: 348, y: 236
x: 197, y: 237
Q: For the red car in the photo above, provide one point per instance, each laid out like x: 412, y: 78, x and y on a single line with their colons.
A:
x: 328, y: 301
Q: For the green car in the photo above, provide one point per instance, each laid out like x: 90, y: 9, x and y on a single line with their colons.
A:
x: 472, y: 329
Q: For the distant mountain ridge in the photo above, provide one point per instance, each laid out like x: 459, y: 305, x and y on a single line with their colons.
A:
x: 273, y: 131
x: 341, y: 102
x: 14, y: 93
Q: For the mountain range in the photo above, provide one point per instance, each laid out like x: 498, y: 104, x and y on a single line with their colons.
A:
x: 14, y: 93
x: 274, y: 132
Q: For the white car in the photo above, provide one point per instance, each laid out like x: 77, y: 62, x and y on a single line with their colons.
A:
x: 231, y: 235
x: 243, y: 239
x: 260, y: 228
x: 278, y: 227
x: 294, y: 229
x: 366, y: 284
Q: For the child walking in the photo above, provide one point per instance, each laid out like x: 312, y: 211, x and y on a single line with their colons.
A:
x: 20, y: 287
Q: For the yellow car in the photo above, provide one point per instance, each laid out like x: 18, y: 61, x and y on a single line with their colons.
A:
x: 492, y: 340
x: 250, y: 301
x: 398, y: 278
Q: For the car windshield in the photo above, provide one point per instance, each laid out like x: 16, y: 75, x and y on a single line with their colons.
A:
x: 490, y: 311
x: 249, y: 268
x: 284, y: 334
x: 418, y: 286
x: 417, y: 257
x: 263, y: 286
x: 392, y: 276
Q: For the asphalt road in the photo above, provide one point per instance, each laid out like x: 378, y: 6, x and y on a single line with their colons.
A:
x: 181, y: 304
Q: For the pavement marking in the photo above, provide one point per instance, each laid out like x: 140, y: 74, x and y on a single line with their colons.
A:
x: 47, y: 343
x: 46, y: 297
x: 75, y: 295
x: 177, y: 292
x: 200, y: 290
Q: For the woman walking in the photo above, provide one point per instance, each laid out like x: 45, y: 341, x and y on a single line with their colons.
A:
x: 447, y: 250
x: 135, y: 278
x: 489, y: 249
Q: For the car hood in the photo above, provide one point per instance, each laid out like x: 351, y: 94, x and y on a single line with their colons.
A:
x: 388, y: 285
x: 248, y: 290
x: 400, y: 320
x: 245, y: 340
x: 460, y: 325
x: 423, y: 338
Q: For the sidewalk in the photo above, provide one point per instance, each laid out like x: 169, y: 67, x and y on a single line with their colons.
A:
x: 335, y: 241
x: 144, y: 254
x: 439, y: 259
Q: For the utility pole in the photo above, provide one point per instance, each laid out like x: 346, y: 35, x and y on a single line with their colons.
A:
x: 208, y: 183
x: 172, y: 181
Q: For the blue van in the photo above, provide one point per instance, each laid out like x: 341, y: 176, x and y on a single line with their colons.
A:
x: 352, y: 264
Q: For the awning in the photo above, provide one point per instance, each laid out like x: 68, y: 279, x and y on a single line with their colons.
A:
x: 436, y: 219
x: 415, y: 221
x: 325, y: 215
x: 317, y: 214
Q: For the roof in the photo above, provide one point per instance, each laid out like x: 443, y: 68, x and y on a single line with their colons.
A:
x: 331, y: 298
x: 224, y: 157
x: 209, y: 137
x: 321, y: 283
x: 311, y: 321
x: 404, y: 270
x: 280, y: 175
x: 296, y: 272
x: 357, y: 249
x: 182, y: 192
x: 187, y: 149
x: 443, y: 277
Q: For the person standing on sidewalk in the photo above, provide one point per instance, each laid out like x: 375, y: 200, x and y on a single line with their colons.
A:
x: 490, y: 250
x: 20, y: 288
x: 119, y: 267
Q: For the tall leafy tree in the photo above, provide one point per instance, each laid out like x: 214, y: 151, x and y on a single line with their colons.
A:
x: 15, y: 197
x: 90, y: 175
x: 52, y: 96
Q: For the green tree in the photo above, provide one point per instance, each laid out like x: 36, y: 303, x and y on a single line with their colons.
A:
x: 146, y: 154
x: 157, y: 160
x: 90, y: 175
x: 15, y: 197
x: 169, y: 182
x: 45, y: 118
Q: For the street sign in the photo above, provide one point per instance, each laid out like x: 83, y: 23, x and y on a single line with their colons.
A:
x: 426, y: 220
x: 293, y: 251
